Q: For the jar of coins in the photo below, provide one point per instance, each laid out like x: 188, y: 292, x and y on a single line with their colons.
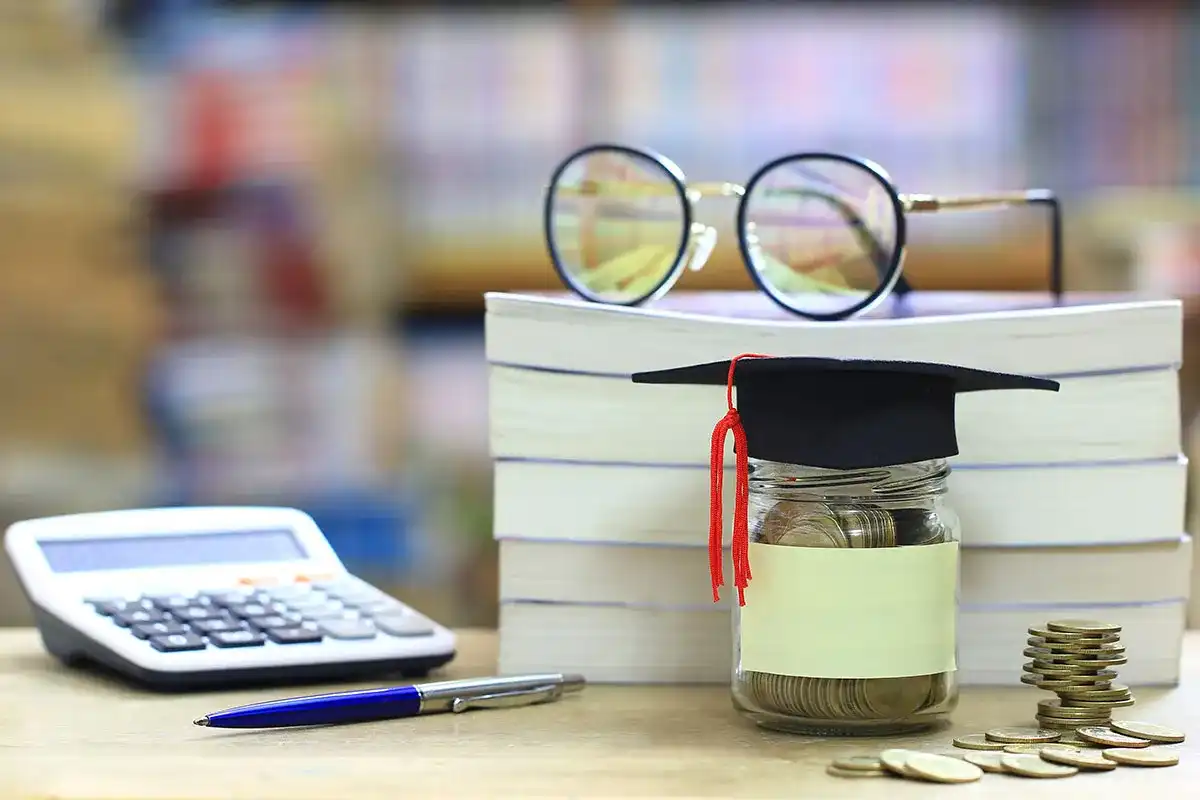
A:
x: 844, y: 545
x: 877, y: 654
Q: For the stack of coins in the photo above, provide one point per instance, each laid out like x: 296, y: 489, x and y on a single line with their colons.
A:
x: 791, y: 523
x: 1075, y: 659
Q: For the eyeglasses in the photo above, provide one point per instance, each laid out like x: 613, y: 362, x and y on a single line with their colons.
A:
x: 822, y: 234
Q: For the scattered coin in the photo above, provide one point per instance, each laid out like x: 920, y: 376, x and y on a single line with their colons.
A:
x: 1035, y: 767
x: 941, y: 769
x: 894, y: 760
x: 1147, y: 731
x: 858, y: 773
x: 1110, y: 738
x: 1022, y: 735
x: 1083, y: 627
x: 1148, y: 757
x: 1034, y: 749
x: 977, y: 741
x: 989, y: 762
x: 865, y: 763
x: 1083, y: 759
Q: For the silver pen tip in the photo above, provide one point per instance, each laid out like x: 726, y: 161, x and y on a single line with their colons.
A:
x: 202, y: 722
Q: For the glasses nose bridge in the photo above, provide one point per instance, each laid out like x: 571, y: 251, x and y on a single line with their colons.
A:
x: 702, y: 238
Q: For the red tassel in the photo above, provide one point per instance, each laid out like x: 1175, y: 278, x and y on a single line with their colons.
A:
x: 740, y: 541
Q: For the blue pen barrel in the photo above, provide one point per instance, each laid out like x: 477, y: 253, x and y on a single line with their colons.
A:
x: 325, y: 709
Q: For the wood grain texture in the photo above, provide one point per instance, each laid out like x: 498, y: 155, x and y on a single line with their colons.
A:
x: 65, y: 734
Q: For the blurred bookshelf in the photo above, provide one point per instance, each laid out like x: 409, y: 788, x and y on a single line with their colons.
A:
x: 213, y: 214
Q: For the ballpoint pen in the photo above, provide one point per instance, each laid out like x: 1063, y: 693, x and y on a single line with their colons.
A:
x: 397, y: 702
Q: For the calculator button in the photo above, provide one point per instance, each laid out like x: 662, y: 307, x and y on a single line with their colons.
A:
x: 226, y: 598
x: 177, y: 642
x: 144, y: 630
x: 378, y: 606
x: 237, y: 638
x: 275, y: 621
x: 293, y: 635
x: 168, y: 602
x: 348, y: 629
x: 289, y: 592
x: 312, y: 600
x: 196, y: 613
x: 112, y: 607
x: 404, y: 624
x: 248, y: 609
x: 328, y: 611
x: 219, y: 625
x: 136, y: 615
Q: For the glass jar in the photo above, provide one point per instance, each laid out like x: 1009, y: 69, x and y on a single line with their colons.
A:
x: 850, y: 620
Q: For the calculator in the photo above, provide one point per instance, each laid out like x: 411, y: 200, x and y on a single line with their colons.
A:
x: 213, y: 597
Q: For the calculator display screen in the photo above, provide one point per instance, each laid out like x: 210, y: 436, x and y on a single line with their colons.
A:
x: 190, y: 549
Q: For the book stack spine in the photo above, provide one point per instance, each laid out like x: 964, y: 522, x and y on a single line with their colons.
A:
x: 1072, y: 504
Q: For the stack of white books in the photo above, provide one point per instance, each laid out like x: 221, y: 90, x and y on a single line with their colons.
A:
x: 1071, y: 503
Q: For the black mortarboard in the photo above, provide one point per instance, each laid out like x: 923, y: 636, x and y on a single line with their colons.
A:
x: 846, y: 414
x: 826, y: 412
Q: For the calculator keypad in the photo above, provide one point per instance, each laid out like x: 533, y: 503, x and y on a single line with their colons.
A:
x: 347, y: 610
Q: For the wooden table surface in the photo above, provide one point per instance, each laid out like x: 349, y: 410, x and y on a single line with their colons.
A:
x: 65, y: 734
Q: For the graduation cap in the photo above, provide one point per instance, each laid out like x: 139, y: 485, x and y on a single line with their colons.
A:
x: 831, y: 413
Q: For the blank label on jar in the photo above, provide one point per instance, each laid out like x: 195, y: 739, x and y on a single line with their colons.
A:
x: 885, y: 612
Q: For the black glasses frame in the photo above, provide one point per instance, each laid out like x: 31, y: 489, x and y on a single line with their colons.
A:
x: 888, y: 266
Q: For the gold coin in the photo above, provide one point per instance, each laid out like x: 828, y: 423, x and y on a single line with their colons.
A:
x: 1022, y: 735
x: 977, y: 741
x: 1142, y: 757
x: 1034, y: 749
x: 1116, y: 691
x: 1045, y: 683
x: 895, y: 698
x: 1042, y: 654
x: 1148, y: 731
x: 1083, y: 759
x: 988, y: 762
x: 1072, y: 702
x: 1052, y: 724
x: 1095, y: 662
x: 1029, y: 766
x: 941, y: 769
x: 1056, y: 708
x: 858, y: 762
x: 857, y: 773
x: 1109, y: 738
x: 895, y: 759
x: 1083, y: 627
x: 1070, y: 641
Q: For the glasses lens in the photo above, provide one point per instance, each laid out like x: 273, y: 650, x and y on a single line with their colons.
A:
x: 616, y: 225
x: 821, y: 233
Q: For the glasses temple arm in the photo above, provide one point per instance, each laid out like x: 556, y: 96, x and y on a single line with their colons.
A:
x: 1033, y: 197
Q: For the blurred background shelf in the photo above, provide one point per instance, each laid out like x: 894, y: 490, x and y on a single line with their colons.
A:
x: 243, y: 246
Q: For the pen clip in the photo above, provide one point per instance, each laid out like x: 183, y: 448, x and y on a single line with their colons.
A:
x: 520, y: 697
